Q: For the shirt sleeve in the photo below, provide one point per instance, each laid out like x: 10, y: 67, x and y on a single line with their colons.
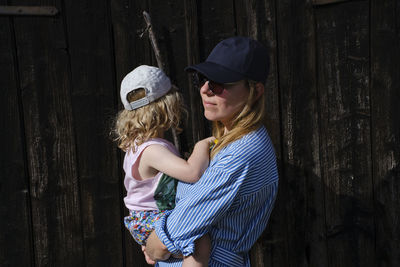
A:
x: 201, y: 206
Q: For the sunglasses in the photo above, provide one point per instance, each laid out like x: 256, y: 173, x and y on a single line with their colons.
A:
x: 215, y: 88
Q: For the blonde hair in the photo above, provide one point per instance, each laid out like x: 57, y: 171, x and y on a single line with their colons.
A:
x: 247, y: 120
x: 137, y: 126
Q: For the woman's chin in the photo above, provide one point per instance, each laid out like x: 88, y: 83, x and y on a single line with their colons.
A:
x: 209, y: 116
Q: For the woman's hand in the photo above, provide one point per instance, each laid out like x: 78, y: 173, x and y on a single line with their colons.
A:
x: 155, y: 250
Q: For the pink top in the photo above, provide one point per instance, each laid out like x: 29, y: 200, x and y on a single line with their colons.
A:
x: 140, y: 193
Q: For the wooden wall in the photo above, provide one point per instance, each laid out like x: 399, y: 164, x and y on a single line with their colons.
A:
x: 332, y: 106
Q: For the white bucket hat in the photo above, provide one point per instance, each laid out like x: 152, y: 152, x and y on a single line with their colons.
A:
x: 152, y: 79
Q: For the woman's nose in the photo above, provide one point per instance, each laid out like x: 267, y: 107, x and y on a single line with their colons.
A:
x: 205, y: 89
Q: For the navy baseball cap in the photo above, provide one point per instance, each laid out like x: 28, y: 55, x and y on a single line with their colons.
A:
x: 235, y: 59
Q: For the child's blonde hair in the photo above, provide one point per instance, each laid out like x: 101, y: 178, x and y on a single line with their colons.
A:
x: 249, y: 119
x: 150, y: 121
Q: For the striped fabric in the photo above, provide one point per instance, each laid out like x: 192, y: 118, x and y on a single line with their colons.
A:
x: 232, y: 202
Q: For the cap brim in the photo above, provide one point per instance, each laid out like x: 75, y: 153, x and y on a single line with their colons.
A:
x: 216, y: 72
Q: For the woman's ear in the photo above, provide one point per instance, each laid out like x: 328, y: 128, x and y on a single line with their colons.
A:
x: 259, y: 89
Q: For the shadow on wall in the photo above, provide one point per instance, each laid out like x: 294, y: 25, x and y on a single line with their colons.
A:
x: 314, y: 224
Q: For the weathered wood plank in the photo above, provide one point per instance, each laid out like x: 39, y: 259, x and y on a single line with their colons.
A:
x: 216, y: 22
x: 343, y: 85
x: 94, y: 102
x: 45, y: 84
x: 130, y: 51
x: 301, y: 184
x: 28, y: 10
x: 257, y: 19
x: 15, y: 238
x: 169, y: 22
x: 245, y: 18
x: 197, y: 120
x: 385, y: 99
x: 327, y: 2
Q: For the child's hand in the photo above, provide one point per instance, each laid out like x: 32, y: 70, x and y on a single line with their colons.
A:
x: 211, y: 142
x: 209, y: 139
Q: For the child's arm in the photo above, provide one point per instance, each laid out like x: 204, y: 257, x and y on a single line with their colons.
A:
x: 190, y: 171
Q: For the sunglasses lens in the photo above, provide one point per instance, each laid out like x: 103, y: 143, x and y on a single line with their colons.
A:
x: 201, y: 79
x: 216, y: 88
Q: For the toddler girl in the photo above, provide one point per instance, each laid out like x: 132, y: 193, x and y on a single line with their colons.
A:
x: 152, y: 106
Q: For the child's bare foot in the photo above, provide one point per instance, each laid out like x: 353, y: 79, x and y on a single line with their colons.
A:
x: 148, y: 260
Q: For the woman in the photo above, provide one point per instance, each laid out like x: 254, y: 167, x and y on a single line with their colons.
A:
x: 233, y: 200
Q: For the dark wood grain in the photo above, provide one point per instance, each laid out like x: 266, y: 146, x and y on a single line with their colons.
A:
x: 131, y: 48
x: 385, y: 122
x: 216, y: 22
x: 28, y: 10
x: 343, y: 85
x: 15, y: 223
x: 197, y: 122
x: 327, y: 2
x: 301, y: 183
x: 51, y: 155
x: 94, y: 101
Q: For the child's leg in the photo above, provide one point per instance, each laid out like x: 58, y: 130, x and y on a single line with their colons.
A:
x: 201, y: 254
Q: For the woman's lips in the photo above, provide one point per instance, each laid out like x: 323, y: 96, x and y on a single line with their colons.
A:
x: 208, y: 104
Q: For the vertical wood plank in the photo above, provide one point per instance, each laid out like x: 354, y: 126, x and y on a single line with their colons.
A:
x: 197, y: 122
x: 343, y: 83
x: 216, y: 22
x: 301, y: 184
x: 247, y: 17
x: 257, y: 19
x: 385, y: 99
x: 15, y: 239
x: 168, y: 18
x: 45, y: 84
x: 130, y: 51
x: 94, y: 99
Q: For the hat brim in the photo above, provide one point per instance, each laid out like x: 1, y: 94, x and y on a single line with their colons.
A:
x: 216, y: 73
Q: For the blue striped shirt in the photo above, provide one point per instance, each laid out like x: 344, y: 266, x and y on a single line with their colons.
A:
x: 232, y: 202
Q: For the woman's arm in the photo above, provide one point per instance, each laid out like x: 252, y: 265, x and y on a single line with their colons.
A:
x: 162, y: 159
x: 155, y: 250
x: 200, y: 207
